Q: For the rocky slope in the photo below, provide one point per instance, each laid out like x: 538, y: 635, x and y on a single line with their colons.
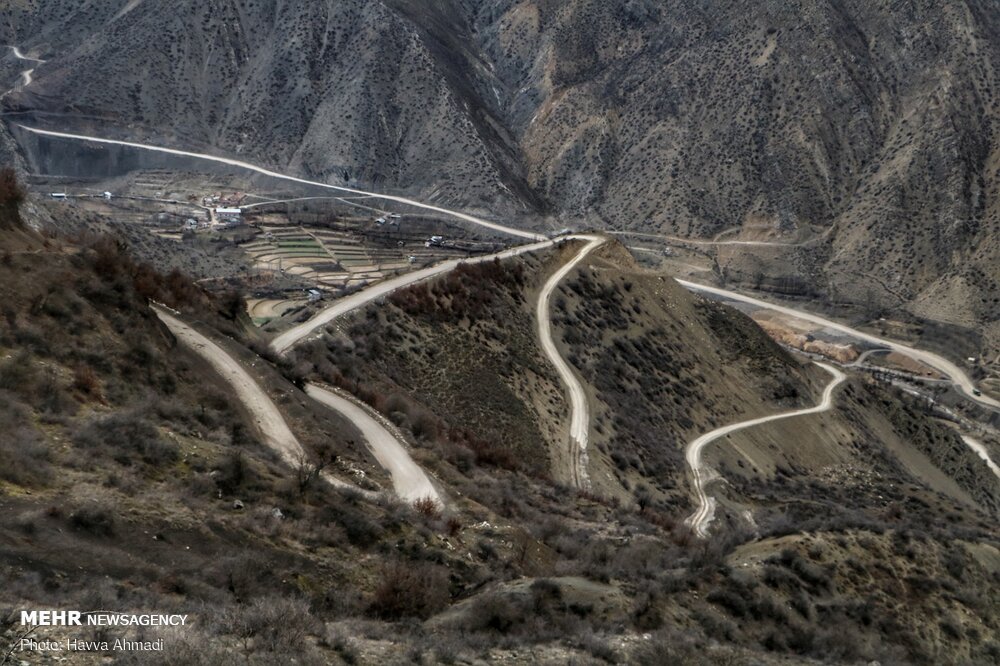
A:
x: 873, y: 121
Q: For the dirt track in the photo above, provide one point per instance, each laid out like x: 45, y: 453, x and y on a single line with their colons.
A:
x: 296, y: 334
x: 702, y: 517
x: 408, y: 479
x: 943, y: 365
x: 579, y: 429
x: 268, y: 420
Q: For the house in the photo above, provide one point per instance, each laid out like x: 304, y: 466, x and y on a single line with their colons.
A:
x: 315, y: 295
x: 229, y: 216
x: 107, y: 195
x: 191, y: 223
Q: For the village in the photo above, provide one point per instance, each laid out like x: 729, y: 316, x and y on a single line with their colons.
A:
x: 295, y: 250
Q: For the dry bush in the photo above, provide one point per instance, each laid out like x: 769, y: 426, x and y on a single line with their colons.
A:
x: 127, y: 435
x: 11, y: 191
x: 428, y: 508
x: 86, y: 382
x: 410, y: 589
x: 11, y: 196
x: 95, y: 519
x: 274, y: 625
x: 24, y: 453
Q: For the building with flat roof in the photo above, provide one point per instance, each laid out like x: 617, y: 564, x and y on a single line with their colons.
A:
x: 229, y: 215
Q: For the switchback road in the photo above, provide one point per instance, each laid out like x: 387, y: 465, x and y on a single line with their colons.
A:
x: 269, y: 421
x: 342, y: 306
x: 408, y: 479
x: 943, y: 365
x: 702, y: 517
x: 579, y: 429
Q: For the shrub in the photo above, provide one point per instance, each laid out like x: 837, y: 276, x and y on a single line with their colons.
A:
x: 128, y: 433
x: 273, y: 625
x: 729, y: 600
x: 19, y: 374
x: 361, y: 530
x: 599, y: 649
x: 494, y: 612
x: 86, y: 382
x: 23, y: 452
x: 232, y: 472
x: 410, y: 590
x: 94, y: 520
x: 11, y: 195
x: 427, y: 507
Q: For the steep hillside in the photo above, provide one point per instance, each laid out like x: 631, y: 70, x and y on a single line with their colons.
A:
x: 450, y: 363
x: 461, y: 352
x: 346, y: 91
x: 667, y: 366
x: 132, y: 480
x: 867, y: 126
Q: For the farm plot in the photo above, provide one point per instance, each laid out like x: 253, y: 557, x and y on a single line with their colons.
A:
x: 327, y: 258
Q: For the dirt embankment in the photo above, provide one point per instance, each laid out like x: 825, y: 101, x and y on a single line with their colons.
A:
x: 842, y: 353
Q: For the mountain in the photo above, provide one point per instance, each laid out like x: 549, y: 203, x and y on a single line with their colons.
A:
x: 621, y: 470
x: 866, y: 128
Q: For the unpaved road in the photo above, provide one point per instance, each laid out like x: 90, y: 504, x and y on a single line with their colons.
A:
x: 269, y: 421
x: 695, y: 241
x: 408, y: 479
x: 521, y: 233
x: 702, y: 517
x: 21, y: 56
x: 26, y: 78
x: 579, y: 429
x: 296, y: 334
x: 981, y: 451
x: 258, y: 404
x: 943, y: 365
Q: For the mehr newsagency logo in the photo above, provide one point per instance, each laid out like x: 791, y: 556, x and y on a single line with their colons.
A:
x: 71, y: 618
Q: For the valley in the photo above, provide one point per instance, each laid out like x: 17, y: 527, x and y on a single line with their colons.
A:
x: 502, y: 332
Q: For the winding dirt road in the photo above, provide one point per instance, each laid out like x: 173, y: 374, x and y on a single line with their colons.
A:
x: 946, y: 367
x: 511, y: 231
x: 981, y: 451
x: 269, y: 421
x: 258, y: 404
x: 579, y: 429
x: 702, y: 517
x: 26, y: 77
x: 21, y: 56
x: 296, y: 334
x: 408, y: 479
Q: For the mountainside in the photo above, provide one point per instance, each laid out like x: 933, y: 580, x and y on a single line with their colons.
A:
x: 414, y: 423
x: 868, y: 127
x: 349, y: 91
x: 136, y: 478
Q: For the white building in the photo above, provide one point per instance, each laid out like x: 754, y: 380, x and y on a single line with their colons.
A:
x: 229, y: 215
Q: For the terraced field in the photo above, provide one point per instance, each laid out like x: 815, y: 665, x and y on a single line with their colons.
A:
x: 263, y: 310
x: 328, y: 258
